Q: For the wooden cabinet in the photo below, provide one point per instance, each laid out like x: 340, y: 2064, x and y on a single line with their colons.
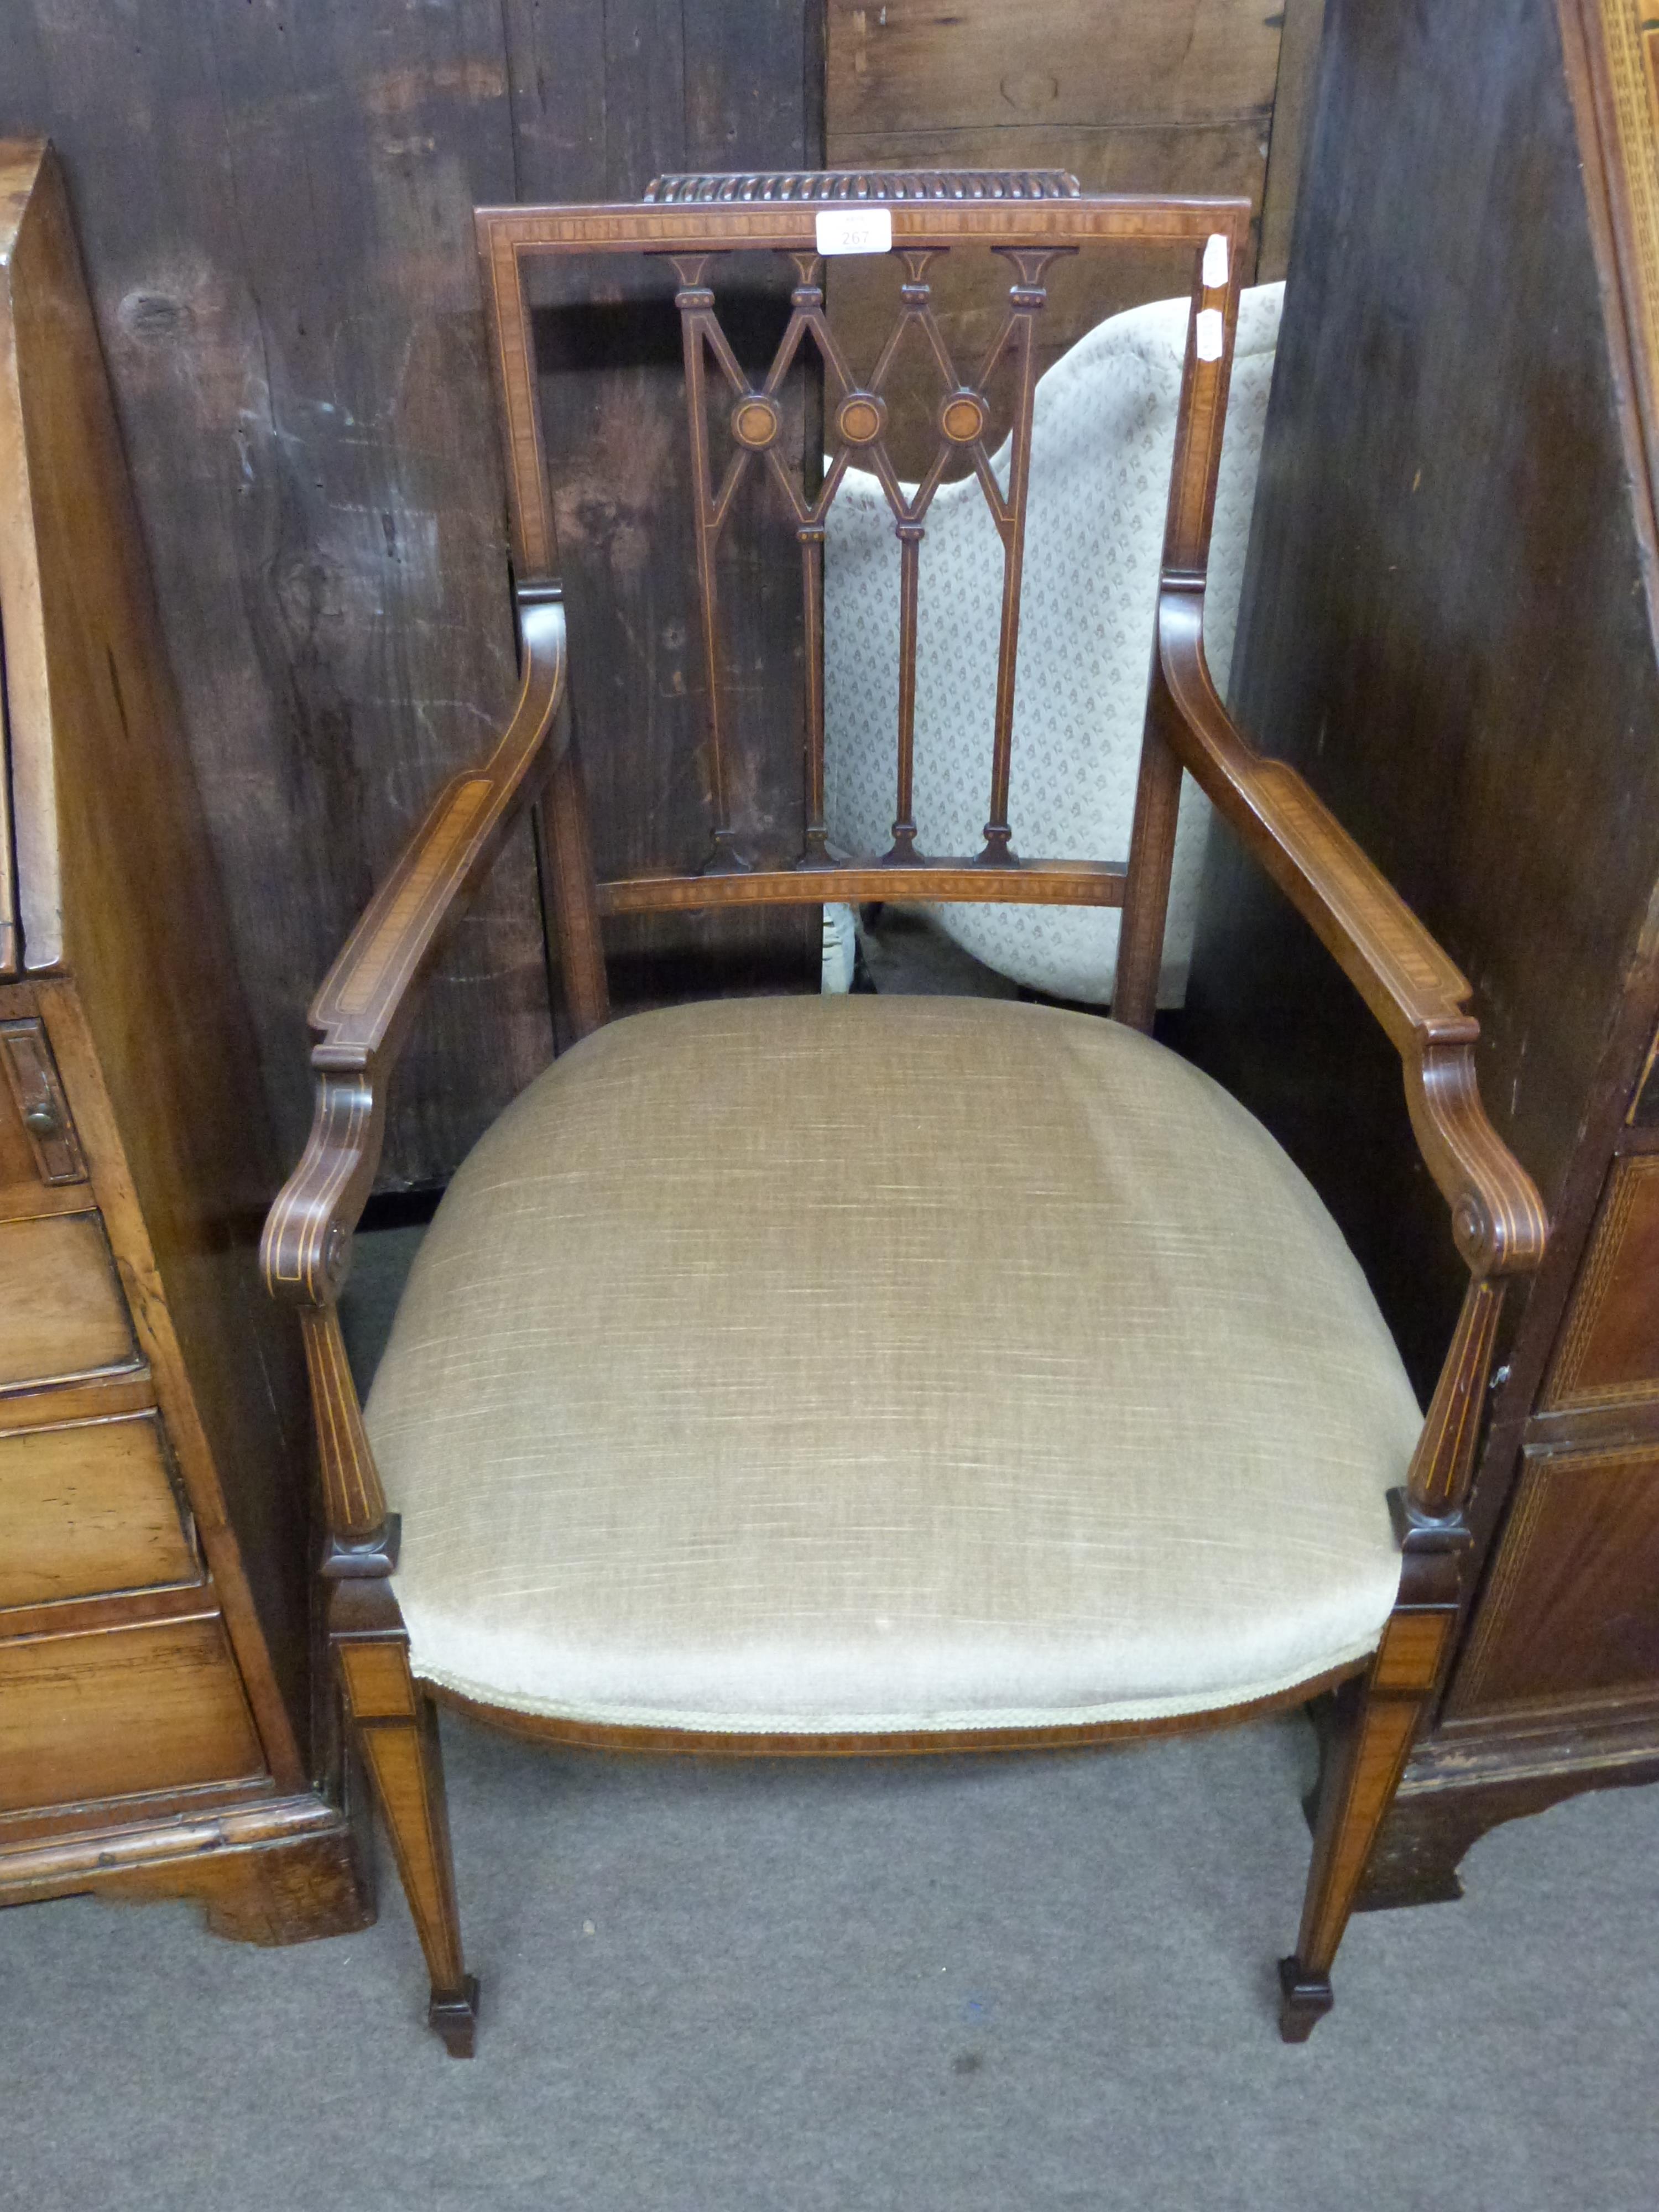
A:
x: 1451, y: 626
x: 155, y: 1684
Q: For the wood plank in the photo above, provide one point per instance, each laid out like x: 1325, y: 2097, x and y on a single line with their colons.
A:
x: 1445, y: 629
x: 62, y: 1314
x: 1294, y: 99
x: 276, y: 212
x: 137, y: 1709
x: 267, y: 1869
x: 1128, y: 95
x: 100, y: 1398
x: 88, y: 1616
x: 981, y: 66
x: 89, y: 1506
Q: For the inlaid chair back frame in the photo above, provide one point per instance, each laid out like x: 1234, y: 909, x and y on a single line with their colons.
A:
x: 1028, y: 222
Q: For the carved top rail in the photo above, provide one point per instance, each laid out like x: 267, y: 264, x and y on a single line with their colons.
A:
x: 837, y: 186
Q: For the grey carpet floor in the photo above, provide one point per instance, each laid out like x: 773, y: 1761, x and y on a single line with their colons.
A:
x: 1021, y: 1984
x: 973, y: 1985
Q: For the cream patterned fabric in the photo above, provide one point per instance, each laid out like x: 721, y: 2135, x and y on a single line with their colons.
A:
x: 866, y: 1365
x: 1103, y: 443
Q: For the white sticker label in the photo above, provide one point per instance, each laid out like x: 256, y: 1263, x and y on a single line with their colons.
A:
x: 1215, y: 262
x: 1210, y: 333
x: 855, y: 230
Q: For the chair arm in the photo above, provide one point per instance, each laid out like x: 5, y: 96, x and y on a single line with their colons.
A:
x: 1414, y: 990
x: 363, y: 1012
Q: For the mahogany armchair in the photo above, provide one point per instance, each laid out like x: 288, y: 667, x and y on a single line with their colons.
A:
x: 879, y: 1375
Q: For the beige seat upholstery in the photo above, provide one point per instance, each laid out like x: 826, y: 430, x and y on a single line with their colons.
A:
x: 819, y: 1366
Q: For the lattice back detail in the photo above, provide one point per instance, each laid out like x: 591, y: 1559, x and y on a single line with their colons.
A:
x: 1028, y: 219
x: 858, y: 412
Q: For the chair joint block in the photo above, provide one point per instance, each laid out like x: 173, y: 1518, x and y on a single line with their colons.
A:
x: 1418, y: 1531
x: 357, y: 1558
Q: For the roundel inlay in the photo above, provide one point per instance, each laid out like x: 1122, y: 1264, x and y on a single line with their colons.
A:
x: 755, y: 422
x: 962, y: 418
x: 859, y: 419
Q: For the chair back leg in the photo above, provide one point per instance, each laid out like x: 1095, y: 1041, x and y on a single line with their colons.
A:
x: 394, y: 1726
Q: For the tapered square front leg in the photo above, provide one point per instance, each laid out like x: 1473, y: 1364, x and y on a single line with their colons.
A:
x: 1377, y: 1717
x: 395, y: 1726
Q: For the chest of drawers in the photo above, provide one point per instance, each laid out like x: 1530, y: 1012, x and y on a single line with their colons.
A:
x: 155, y: 1684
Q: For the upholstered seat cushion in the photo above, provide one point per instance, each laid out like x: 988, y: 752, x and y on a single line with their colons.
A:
x: 881, y: 1364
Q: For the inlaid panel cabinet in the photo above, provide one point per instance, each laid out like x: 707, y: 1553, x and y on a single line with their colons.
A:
x: 155, y: 1735
x: 1451, y: 626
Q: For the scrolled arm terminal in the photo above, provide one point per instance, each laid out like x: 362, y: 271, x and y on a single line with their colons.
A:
x: 1416, y: 993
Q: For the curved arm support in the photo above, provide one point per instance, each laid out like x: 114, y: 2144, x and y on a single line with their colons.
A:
x: 1416, y: 993
x: 361, y: 1015
x: 367, y: 1001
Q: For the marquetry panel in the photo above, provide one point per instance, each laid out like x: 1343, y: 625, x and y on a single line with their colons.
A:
x: 377, y: 1680
x: 1609, y: 1347
x: 156, y: 1707
x: 1630, y: 48
x: 1384, y: 1742
x: 62, y: 1313
x: 1410, y: 1656
x: 87, y: 1506
x: 1572, y: 1607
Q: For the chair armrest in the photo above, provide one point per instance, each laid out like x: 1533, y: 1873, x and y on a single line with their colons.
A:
x: 1415, y: 991
x: 363, y: 1009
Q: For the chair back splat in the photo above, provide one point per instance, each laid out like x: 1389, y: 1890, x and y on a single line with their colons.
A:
x: 1028, y: 220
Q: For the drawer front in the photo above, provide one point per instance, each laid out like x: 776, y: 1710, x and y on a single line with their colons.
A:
x: 1570, y: 1609
x: 62, y: 1313
x: 39, y: 1148
x: 1609, y: 1347
x: 90, y: 1506
x: 156, y: 1707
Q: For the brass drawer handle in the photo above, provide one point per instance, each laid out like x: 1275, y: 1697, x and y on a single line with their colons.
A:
x: 31, y: 1076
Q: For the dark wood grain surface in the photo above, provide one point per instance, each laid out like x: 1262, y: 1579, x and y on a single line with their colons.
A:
x: 1450, y: 626
x: 1128, y: 95
x: 1442, y: 625
x: 275, y: 211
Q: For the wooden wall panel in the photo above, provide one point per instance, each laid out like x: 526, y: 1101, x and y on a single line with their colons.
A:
x: 1444, y: 627
x: 706, y: 86
x: 1129, y: 95
x: 1098, y: 65
x: 273, y: 204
